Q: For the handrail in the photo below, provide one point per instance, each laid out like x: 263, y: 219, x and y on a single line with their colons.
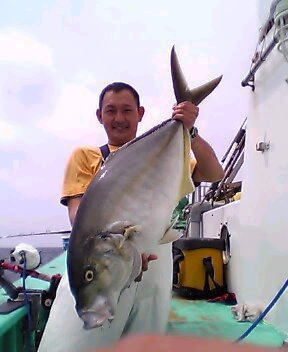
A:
x: 278, y: 17
x: 249, y: 80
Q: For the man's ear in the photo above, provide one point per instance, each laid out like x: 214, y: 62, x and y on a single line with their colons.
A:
x: 141, y: 112
x: 98, y: 114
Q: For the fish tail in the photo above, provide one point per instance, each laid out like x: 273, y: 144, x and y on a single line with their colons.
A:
x: 181, y: 89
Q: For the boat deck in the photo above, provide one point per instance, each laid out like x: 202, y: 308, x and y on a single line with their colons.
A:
x: 194, y: 318
x: 215, y: 320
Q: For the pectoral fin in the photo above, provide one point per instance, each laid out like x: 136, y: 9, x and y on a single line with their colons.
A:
x: 136, y: 269
x: 124, y: 228
x: 119, y: 226
x: 171, y: 234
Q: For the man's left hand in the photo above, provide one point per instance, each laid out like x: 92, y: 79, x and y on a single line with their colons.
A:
x: 145, y: 260
x: 186, y: 112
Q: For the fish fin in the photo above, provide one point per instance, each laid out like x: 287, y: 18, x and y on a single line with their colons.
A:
x: 171, y: 234
x: 118, y: 226
x: 181, y: 89
x: 129, y: 233
x: 200, y: 93
x: 136, y: 269
x: 186, y: 185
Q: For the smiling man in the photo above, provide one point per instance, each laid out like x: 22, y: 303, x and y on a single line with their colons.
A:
x: 119, y: 112
x: 144, y: 307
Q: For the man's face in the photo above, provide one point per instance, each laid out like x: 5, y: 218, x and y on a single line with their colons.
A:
x: 120, y: 116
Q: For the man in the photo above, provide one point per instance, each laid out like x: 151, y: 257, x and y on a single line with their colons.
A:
x: 144, y: 306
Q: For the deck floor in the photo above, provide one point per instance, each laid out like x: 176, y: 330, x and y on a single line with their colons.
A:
x: 194, y: 318
x: 215, y: 320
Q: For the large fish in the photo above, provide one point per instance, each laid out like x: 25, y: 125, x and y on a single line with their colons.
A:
x: 127, y: 209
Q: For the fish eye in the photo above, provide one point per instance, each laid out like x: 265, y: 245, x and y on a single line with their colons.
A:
x: 89, y: 275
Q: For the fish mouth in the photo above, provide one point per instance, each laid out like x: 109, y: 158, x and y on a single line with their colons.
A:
x: 95, y: 316
x: 93, y: 319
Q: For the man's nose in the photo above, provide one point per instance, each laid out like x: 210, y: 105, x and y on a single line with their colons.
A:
x: 119, y: 116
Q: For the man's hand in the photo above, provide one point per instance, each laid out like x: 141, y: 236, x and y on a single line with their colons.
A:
x: 186, y: 112
x: 145, y: 260
x: 167, y: 343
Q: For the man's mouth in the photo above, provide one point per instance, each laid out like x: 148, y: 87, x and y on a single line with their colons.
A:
x: 120, y: 128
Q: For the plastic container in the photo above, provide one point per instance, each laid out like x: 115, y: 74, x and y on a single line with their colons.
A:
x: 65, y: 242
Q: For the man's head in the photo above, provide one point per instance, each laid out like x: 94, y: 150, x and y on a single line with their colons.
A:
x: 120, y: 112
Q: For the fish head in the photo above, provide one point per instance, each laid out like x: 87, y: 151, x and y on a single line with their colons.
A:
x: 106, y: 267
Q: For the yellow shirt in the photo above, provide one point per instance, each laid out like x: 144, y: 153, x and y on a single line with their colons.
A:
x: 82, y: 166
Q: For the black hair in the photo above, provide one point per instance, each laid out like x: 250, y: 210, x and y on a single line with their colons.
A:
x: 117, y: 87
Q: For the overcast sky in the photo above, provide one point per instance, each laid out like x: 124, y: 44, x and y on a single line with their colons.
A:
x: 55, y: 58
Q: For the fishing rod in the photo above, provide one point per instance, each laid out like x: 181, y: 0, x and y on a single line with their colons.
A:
x: 37, y: 234
x: 236, y: 140
x: 233, y: 164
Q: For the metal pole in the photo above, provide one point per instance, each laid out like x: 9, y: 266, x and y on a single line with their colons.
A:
x: 250, y: 77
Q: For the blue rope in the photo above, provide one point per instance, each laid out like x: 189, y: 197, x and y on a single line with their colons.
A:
x: 264, y: 313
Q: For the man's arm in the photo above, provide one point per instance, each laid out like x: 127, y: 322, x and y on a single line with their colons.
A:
x: 207, y: 167
x: 78, y: 175
x: 73, y: 204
